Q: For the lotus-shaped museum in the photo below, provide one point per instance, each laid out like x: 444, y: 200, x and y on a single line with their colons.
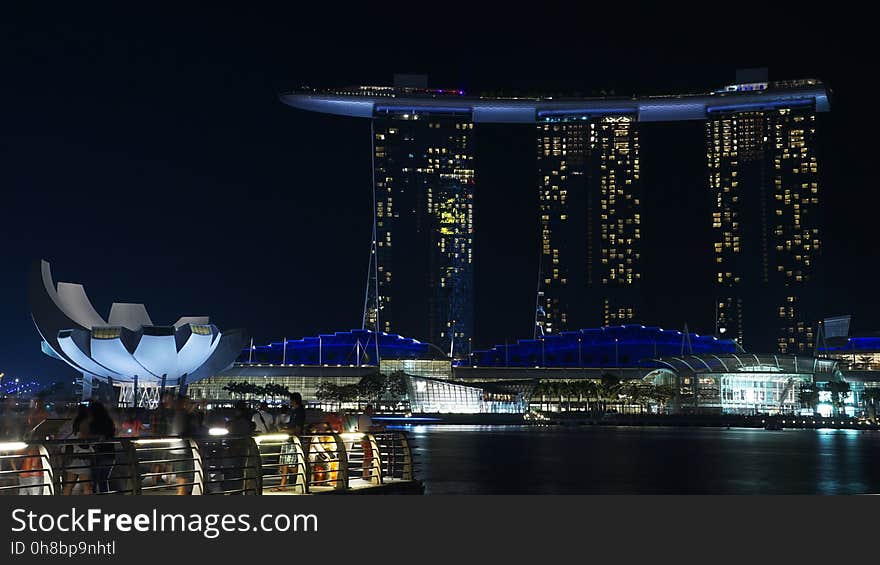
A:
x: 127, y: 349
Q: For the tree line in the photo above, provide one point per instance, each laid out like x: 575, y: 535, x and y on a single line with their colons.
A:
x: 244, y: 389
x: 599, y: 395
x: 809, y: 397
x: 371, y: 388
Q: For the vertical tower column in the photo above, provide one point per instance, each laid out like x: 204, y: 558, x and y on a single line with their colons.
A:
x: 616, y: 218
x: 794, y: 224
x: 563, y: 144
x: 763, y: 176
x: 424, y: 185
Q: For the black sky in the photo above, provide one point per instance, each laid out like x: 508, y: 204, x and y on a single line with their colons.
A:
x: 145, y: 153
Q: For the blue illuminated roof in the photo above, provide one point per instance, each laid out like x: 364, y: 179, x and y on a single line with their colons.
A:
x: 368, y: 103
x: 610, y: 346
x: 355, y: 347
x: 864, y: 344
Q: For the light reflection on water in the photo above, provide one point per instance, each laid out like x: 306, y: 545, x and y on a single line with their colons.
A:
x: 633, y: 460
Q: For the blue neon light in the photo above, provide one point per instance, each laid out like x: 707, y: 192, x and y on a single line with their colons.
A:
x: 856, y: 344
x: 564, y: 112
x: 763, y: 105
x: 356, y: 347
x: 416, y: 109
x: 497, y: 110
x: 612, y: 346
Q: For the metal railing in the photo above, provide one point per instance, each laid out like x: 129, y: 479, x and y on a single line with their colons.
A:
x: 395, y: 455
x: 263, y: 464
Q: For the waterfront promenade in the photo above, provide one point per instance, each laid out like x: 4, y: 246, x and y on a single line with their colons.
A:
x: 272, y: 464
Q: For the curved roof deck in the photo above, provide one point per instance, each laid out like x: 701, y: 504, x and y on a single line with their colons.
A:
x: 367, y: 102
x: 748, y: 363
x: 609, y: 346
x: 355, y: 347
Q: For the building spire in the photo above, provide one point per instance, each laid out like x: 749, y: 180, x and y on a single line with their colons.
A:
x: 370, y: 318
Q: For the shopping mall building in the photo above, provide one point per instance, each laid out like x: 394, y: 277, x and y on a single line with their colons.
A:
x: 708, y: 375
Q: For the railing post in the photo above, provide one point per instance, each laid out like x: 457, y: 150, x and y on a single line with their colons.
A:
x: 407, y: 457
x: 375, y: 473
x: 300, y: 469
x: 253, y: 455
x: 198, y: 478
x: 134, y: 468
x: 342, y: 460
x: 47, y: 478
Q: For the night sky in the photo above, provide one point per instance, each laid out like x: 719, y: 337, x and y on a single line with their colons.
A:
x: 145, y: 153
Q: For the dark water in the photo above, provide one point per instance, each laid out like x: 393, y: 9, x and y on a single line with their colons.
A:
x: 630, y: 460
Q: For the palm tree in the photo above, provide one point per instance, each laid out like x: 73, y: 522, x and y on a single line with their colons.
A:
x: 662, y: 394
x: 570, y: 389
x: 538, y: 392
x: 395, y: 384
x: 584, y: 389
x: 608, y: 387
x: 839, y: 390
x: 553, y: 389
x: 254, y: 390
x: 809, y: 396
x: 871, y: 398
x: 590, y: 390
x: 326, y: 391
x: 234, y: 388
x: 638, y: 394
x: 372, y: 387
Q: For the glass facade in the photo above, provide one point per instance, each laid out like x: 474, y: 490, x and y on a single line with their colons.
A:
x: 424, y: 190
x: 431, y: 396
x: 742, y: 383
x: 746, y: 393
x: 857, y: 360
x: 763, y: 394
x: 211, y: 388
x: 854, y: 353
x: 437, y: 369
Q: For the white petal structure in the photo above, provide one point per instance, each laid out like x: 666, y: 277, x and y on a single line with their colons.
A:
x: 127, y: 346
x: 74, y: 302
x: 129, y: 316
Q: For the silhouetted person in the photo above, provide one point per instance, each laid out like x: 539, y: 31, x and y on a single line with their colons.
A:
x: 264, y: 421
x: 101, y: 427
x: 240, y: 424
x: 80, y: 455
x: 297, y: 423
x: 160, y: 426
x: 184, y: 424
x: 240, y: 427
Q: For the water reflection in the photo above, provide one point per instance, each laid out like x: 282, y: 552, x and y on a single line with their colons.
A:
x: 629, y: 460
